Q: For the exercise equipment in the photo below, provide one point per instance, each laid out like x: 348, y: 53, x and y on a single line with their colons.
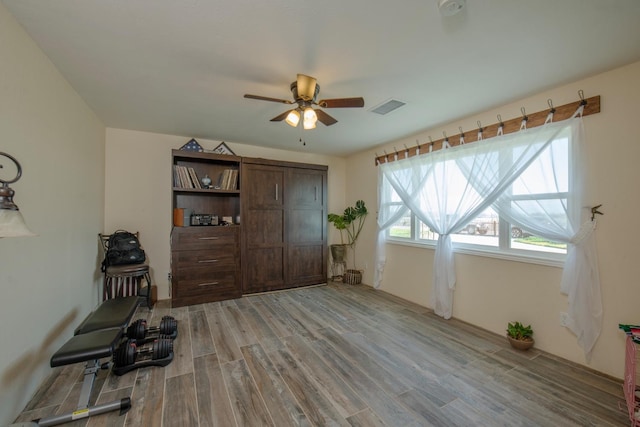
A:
x: 130, y: 355
x: 140, y: 332
x: 96, y: 338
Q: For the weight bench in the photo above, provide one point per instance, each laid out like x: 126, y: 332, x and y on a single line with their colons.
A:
x: 95, y: 338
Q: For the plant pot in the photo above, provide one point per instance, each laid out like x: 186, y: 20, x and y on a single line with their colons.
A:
x: 521, y: 344
x: 338, y: 252
x: 352, y: 277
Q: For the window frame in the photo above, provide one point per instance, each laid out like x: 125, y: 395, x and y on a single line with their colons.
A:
x: 504, y: 250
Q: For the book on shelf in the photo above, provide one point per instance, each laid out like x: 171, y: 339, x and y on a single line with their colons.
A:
x: 234, y: 179
x: 194, y: 178
x: 176, y: 179
x: 179, y: 180
x: 228, y: 179
x: 186, y: 181
x: 184, y: 177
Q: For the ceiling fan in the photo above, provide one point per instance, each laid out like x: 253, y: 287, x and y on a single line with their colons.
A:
x: 305, y: 91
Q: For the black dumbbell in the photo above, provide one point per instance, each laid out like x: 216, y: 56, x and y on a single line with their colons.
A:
x: 139, y: 330
x: 129, y: 352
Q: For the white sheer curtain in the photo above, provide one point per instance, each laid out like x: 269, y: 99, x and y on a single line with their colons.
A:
x: 447, y: 188
x: 389, y: 215
x: 547, y: 200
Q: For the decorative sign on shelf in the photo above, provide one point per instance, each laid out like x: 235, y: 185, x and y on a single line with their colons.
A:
x: 223, y: 149
x: 192, y: 146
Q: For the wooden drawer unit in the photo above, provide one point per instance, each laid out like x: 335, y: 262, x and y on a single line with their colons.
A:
x: 205, y: 264
x: 204, y: 237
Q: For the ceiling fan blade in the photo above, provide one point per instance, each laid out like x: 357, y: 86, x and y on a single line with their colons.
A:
x: 266, y: 98
x: 324, y: 118
x: 281, y: 117
x: 306, y: 87
x: 341, y: 103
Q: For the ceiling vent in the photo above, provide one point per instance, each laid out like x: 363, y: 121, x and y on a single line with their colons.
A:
x: 388, y: 106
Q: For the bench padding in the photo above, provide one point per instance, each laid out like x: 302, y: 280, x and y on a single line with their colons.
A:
x: 113, y: 313
x: 90, y: 346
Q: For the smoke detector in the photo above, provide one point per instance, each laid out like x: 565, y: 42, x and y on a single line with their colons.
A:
x: 450, y: 7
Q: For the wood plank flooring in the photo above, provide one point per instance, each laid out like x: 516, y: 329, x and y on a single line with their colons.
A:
x: 339, y: 355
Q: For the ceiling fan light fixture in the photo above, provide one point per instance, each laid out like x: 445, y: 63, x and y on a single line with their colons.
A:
x: 293, y: 118
x: 310, y: 119
x: 306, y: 87
x: 308, y: 124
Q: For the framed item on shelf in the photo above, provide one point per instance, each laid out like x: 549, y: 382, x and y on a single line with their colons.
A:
x: 192, y: 146
x: 223, y: 149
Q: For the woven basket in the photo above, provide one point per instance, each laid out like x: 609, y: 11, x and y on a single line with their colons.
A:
x: 352, y: 277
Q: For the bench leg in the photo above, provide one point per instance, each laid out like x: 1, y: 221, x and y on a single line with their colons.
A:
x: 84, y: 410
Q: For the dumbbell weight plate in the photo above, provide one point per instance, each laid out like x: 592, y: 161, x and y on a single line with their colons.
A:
x: 161, y: 348
x: 137, y: 330
x: 125, y: 354
x: 168, y: 325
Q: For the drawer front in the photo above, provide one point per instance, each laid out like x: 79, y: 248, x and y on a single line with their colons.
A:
x: 214, y: 259
x: 203, y: 282
x: 206, y: 237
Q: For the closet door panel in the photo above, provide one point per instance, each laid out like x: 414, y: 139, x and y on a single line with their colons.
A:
x: 306, y: 226
x: 264, y: 269
x: 263, y: 226
x: 307, y: 265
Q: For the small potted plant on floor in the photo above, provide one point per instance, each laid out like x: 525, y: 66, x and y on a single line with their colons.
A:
x: 350, y: 222
x: 520, y: 336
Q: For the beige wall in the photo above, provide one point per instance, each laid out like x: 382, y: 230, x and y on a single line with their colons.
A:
x: 491, y: 292
x: 138, y: 188
x: 48, y: 282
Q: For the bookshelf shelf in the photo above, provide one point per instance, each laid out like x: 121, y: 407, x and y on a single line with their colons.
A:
x: 205, y: 191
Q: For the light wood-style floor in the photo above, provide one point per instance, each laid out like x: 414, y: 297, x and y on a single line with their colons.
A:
x: 340, y: 355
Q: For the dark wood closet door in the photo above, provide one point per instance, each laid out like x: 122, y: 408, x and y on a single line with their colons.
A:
x: 306, y: 192
x: 264, y: 262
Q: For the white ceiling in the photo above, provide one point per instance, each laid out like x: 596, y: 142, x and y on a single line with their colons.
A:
x: 181, y: 67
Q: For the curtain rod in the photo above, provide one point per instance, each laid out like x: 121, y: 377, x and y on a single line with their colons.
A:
x: 563, y: 112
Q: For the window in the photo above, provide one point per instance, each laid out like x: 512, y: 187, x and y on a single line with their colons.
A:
x: 539, y: 193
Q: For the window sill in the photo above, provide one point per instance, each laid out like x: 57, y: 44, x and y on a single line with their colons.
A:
x: 540, y: 258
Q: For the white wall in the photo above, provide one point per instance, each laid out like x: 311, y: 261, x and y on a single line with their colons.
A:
x: 491, y: 292
x: 138, y: 188
x: 49, y: 282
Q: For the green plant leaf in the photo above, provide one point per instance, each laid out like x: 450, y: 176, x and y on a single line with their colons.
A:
x: 518, y: 331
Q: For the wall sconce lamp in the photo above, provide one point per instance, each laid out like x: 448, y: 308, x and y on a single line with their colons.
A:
x: 11, y: 221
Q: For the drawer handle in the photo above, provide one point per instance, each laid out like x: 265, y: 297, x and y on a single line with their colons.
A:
x: 208, y: 238
x: 208, y: 260
x: 209, y: 284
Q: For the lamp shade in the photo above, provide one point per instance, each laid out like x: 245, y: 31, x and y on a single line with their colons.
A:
x: 310, y: 119
x: 293, y: 118
x: 12, y: 224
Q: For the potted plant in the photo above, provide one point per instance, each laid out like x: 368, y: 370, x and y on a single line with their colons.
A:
x: 349, y: 224
x: 520, y: 336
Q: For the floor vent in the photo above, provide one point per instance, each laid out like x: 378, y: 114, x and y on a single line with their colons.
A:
x: 388, y: 106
